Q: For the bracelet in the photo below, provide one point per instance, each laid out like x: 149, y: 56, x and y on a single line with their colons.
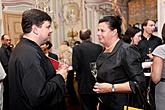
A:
x: 113, y: 88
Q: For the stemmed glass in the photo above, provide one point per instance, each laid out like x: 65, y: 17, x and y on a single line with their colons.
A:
x: 93, y: 68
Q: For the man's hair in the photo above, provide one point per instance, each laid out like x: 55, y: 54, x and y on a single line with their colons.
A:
x: 3, y: 36
x: 33, y: 17
x: 84, y: 35
x: 145, y: 23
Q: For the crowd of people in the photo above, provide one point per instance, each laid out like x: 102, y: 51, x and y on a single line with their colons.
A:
x: 32, y: 83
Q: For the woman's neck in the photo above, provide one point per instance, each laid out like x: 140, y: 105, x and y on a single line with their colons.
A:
x: 111, y: 46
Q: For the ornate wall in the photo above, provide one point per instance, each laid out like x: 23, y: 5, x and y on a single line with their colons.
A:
x: 139, y: 10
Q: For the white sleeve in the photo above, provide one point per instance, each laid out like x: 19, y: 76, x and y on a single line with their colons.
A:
x: 2, y: 72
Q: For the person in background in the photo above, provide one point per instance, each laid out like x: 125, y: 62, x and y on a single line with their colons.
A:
x: 117, y: 67
x: 46, y: 48
x: 65, y: 53
x: 2, y: 76
x: 146, y: 46
x: 5, y: 52
x: 83, y: 55
x: 33, y: 82
x: 132, y: 35
x: 149, y: 41
x: 66, y: 56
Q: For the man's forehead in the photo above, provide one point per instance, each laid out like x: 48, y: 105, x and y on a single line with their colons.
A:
x: 151, y: 22
x: 6, y: 37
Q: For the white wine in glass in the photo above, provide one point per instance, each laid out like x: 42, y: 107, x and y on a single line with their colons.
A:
x: 93, y: 68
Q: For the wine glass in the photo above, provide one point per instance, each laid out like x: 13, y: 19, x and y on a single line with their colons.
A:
x: 93, y: 68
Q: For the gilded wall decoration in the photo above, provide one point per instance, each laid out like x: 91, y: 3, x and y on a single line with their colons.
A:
x: 71, y: 12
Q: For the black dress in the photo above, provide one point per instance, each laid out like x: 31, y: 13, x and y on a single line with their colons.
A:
x: 121, y: 65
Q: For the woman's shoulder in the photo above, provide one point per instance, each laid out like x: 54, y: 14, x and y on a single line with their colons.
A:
x: 159, y: 51
x: 130, y: 50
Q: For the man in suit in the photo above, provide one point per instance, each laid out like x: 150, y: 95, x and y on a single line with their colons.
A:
x: 5, y: 52
x: 83, y: 55
x: 33, y: 82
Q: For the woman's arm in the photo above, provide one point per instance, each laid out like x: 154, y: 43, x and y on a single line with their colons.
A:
x: 107, y: 87
x: 157, y: 68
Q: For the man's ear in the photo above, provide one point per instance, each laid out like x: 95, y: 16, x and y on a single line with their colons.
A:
x: 114, y: 32
x: 34, y: 29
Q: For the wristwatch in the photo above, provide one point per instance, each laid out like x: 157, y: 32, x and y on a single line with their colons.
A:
x: 113, y: 88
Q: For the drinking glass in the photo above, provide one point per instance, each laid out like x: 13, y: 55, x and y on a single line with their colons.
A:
x: 93, y: 69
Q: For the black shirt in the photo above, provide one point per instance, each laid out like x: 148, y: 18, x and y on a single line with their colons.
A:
x: 148, y: 45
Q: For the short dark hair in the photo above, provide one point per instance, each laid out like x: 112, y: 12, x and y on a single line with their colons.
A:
x: 114, y: 22
x: 49, y: 44
x: 3, y: 36
x: 33, y: 17
x: 85, y: 34
x: 145, y: 23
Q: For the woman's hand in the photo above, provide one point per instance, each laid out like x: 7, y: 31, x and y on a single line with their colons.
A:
x: 102, y: 87
x: 107, y: 87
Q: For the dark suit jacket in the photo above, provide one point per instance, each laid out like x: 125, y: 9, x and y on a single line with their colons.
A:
x: 33, y: 83
x: 4, y: 57
x: 52, y: 55
x: 83, y: 54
